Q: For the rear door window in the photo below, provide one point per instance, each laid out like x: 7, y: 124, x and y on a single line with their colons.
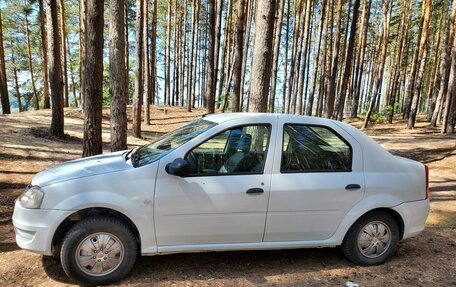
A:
x: 308, y: 148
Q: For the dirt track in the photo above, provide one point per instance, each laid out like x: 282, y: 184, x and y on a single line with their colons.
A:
x: 427, y: 260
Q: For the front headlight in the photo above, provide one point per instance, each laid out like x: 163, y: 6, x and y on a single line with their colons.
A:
x: 31, y: 197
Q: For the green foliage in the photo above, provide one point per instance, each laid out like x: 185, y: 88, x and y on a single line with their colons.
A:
x: 378, y: 117
x: 387, y: 110
x: 106, y: 95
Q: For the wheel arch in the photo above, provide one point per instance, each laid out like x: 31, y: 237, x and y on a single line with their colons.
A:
x: 81, y: 214
x: 393, y: 213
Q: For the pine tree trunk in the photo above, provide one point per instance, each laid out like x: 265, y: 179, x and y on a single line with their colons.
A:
x: 204, y: 61
x: 403, y: 47
x: 195, y: 60
x: 42, y: 16
x: 308, y: 110
x: 117, y: 72
x: 211, y: 69
x: 248, y: 26
x: 348, y: 63
x: 153, y: 52
x: 16, y: 82
x: 444, y: 70
x: 64, y: 53
x: 167, y: 100
x: 55, y: 68
x: 325, y: 62
x: 145, y: 67
x: 92, y: 143
x: 82, y: 48
x: 228, y: 85
x: 201, y: 56
x: 204, y: 70
x: 353, y: 104
x: 386, y: 6
x: 73, y: 85
x: 224, y: 86
x: 262, y: 55
x: 30, y: 62
x: 285, y: 65
x: 449, y: 116
x: 432, y: 91
x: 328, y: 59
x: 275, y: 61
x: 294, y: 55
x: 183, y: 54
x: 127, y: 52
x: 426, y: 16
x: 139, y: 87
x: 240, y: 28
x: 334, y: 64
x: 342, y: 54
x: 306, y: 85
x: 176, y: 61
x: 218, y: 30
x: 225, y: 58
x: 190, y: 80
x: 3, y: 83
x: 414, y: 69
x: 305, y: 43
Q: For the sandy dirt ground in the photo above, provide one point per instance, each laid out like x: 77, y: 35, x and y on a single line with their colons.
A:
x: 426, y: 260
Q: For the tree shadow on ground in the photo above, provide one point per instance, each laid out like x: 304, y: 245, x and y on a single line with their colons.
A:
x: 8, y: 246
x: 426, y: 155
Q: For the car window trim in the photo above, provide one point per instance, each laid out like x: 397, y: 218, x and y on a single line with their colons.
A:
x: 267, y: 125
x: 315, y: 171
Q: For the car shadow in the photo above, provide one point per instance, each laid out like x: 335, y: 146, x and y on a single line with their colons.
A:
x: 54, y: 270
x: 252, y: 266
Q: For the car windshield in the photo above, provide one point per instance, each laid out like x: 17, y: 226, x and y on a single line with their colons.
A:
x: 162, y: 146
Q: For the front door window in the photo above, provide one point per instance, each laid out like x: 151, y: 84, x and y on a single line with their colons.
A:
x: 241, y: 150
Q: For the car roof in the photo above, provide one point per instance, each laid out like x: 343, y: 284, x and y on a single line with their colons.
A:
x: 223, y: 117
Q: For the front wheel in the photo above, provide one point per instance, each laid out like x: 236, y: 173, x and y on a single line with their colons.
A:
x: 371, y: 239
x: 98, y: 250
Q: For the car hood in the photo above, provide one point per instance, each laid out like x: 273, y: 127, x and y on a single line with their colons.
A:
x: 84, y: 167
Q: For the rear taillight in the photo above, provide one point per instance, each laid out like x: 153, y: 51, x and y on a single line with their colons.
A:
x: 426, y: 169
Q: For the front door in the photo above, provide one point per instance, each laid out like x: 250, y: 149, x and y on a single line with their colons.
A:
x: 317, y: 180
x: 224, y: 198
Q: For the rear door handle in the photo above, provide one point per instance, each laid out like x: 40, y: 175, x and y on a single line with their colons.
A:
x: 352, y: 186
x: 254, y: 190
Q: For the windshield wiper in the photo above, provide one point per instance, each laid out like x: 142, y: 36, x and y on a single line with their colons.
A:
x: 164, y: 146
x: 128, y: 153
x: 133, y: 156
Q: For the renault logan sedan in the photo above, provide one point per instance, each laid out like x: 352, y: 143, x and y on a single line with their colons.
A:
x: 225, y: 182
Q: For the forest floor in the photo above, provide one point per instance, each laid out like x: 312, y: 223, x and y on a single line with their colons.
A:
x: 426, y: 260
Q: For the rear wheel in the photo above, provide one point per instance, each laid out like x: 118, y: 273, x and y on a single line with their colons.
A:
x: 371, y: 239
x: 98, y: 250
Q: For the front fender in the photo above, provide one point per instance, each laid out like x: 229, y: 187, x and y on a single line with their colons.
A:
x: 130, y: 192
x: 140, y: 212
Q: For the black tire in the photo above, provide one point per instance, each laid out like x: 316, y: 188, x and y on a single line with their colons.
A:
x: 85, y: 228
x: 350, y: 244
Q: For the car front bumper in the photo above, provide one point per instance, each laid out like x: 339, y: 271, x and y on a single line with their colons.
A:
x: 35, y: 228
x: 414, y: 215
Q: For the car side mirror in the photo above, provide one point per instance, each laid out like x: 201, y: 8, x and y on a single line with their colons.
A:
x: 178, y: 167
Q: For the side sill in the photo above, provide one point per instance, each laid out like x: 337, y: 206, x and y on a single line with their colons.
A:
x: 169, y: 249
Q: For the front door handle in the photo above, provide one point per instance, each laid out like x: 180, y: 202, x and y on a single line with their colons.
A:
x: 254, y: 190
x: 352, y: 186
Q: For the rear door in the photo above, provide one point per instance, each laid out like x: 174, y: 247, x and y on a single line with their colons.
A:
x: 316, y: 180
